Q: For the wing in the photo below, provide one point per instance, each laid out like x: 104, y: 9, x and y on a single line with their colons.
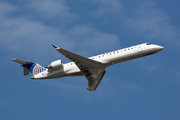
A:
x: 92, y: 70
x: 80, y: 61
x: 94, y: 78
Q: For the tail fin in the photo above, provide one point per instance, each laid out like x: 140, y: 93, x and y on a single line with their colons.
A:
x: 28, y: 67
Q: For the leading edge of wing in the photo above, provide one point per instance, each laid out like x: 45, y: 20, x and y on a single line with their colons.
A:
x: 77, y: 58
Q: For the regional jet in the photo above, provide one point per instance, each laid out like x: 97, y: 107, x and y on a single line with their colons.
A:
x: 93, y: 68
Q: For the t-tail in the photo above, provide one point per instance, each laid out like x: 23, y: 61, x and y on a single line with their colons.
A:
x: 30, y: 66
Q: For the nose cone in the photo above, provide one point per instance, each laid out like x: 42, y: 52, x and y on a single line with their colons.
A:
x: 159, y: 48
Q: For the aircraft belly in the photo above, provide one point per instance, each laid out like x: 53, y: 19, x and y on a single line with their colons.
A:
x: 74, y: 72
x: 49, y: 75
x: 57, y: 75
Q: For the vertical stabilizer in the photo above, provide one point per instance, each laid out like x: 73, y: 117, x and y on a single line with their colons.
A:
x: 26, y: 71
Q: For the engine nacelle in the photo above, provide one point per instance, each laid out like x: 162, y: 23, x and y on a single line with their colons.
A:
x: 55, y: 65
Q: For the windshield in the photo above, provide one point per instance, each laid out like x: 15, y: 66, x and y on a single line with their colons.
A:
x: 148, y: 44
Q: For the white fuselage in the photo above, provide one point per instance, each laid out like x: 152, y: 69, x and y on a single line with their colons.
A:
x: 107, y: 59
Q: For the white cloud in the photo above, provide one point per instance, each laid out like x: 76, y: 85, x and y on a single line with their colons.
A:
x: 26, y: 36
x: 106, y: 9
x: 20, y: 32
x: 92, y: 40
x: 51, y: 11
x: 151, y: 23
x: 6, y: 8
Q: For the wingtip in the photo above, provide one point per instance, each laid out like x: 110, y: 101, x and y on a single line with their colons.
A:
x: 54, y: 46
x: 87, y: 89
x: 13, y: 59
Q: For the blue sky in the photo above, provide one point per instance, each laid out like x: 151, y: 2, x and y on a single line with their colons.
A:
x: 143, y: 89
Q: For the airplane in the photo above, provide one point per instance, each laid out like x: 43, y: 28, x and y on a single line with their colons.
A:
x: 93, y: 68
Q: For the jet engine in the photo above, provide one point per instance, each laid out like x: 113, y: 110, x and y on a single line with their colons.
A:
x: 55, y: 65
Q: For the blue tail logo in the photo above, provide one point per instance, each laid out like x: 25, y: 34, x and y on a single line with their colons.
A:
x: 37, y: 69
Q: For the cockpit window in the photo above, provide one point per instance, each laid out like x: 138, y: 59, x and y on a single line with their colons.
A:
x: 148, y: 44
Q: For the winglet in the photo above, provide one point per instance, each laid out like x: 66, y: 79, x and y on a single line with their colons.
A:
x: 87, y: 89
x: 54, y: 46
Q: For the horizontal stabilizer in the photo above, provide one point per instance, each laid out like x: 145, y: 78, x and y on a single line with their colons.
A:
x: 23, y: 62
